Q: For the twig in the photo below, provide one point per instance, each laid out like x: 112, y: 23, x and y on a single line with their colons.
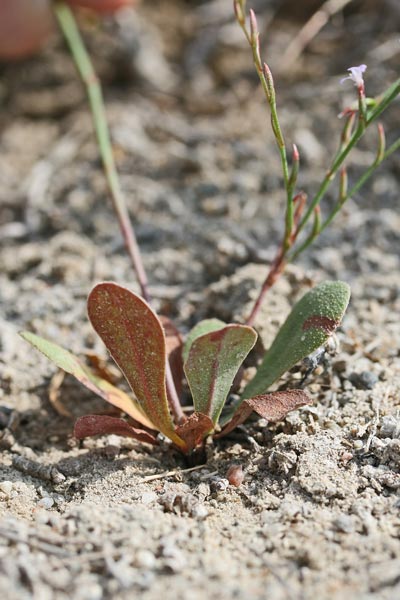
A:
x: 171, y: 473
x: 308, y: 32
x: 54, y: 394
x: 46, y: 547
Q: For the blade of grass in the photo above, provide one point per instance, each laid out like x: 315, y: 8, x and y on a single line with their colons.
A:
x: 69, y: 28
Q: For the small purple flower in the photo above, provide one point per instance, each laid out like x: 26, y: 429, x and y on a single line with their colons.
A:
x: 356, y: 76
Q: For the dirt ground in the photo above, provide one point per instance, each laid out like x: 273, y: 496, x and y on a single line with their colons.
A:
x: 317, y: 515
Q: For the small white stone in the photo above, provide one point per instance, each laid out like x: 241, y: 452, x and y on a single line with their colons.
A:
x: 46, y: 502
x: 6, y: 487
x: 145, y: 559
x: 148, y: 497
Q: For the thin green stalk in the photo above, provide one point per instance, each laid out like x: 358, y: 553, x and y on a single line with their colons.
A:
x: 84, y: 65
x: 387, y: 98
x: 368, y: 111
x: 267, y: 83
x: 85, y: 68
x: 360, y: 182
x: 391, y: 93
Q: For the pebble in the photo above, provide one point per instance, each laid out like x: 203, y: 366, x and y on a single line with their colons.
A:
x: 6, y: 487
x: 218, y: 484
x: 343, y: 523
x: 148, y: 497
x: 364, y: 380
x: 235, y: 475
x: 145, y: 559
x: 46, y: 502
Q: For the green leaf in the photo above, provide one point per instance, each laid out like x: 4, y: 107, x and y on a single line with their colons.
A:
x: 201, y: 328
x: 213, y: 361
x: 134, y: 336
x: 71, y: 364
x: 313, y: 319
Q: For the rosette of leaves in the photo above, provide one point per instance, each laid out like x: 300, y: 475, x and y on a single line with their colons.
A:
x: 141, y: 343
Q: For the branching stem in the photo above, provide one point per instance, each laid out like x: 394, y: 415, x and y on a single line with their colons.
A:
x: 354, y: 129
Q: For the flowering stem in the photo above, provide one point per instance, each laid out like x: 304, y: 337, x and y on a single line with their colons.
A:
x: 267, y: 83
x: 295, y: 221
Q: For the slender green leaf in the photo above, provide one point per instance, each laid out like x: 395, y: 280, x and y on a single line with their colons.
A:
x: 313, y: 319
x: 71, y: 364
x: 213, y: 361
x: 201, y: 328
x: 134, y: 336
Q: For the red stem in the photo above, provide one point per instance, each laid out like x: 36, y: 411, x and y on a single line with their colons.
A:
x: 275, y: 271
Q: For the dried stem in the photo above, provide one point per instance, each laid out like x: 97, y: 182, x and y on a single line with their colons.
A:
x: 308, y: 32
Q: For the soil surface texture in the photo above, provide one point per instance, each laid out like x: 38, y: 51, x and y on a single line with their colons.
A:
x: 318, y: 512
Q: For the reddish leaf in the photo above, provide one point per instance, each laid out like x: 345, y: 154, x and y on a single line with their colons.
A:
x: 135, y: 339
x: 194, y: 429
x: 90, y: 425
x: 174, y: 345
x: 272, y: 407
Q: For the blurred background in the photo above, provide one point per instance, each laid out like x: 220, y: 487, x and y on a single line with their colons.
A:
x: 191, y: 135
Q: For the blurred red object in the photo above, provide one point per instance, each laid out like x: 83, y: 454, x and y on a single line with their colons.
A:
x: 25, y: 25
x: 101, y: 5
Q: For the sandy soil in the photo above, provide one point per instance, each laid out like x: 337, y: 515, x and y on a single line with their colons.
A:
x: 317, y: 515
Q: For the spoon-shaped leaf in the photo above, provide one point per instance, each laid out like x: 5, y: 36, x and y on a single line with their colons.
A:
x: 272, y: 407
x: 213, y: 361
x: 203, y: 327
x: 134, y: 336
x: 71, y: 364
x: 313, y: 319
x: 90, y: 425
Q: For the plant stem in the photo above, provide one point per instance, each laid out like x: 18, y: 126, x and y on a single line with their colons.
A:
x: 294, y: 221
x: 277, y: 267
x: 358, y: 185
x: 173, y: 398
x: 85, y: 68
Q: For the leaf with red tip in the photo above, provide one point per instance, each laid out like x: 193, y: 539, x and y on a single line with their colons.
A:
x: 312, y: 320
x: 195, y: 429
x: 134, y: 336
x: 90, y: 425
x: 212, y: 363
x: 71, y: 364
x: 272, y: 407
x: 203, y: 327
